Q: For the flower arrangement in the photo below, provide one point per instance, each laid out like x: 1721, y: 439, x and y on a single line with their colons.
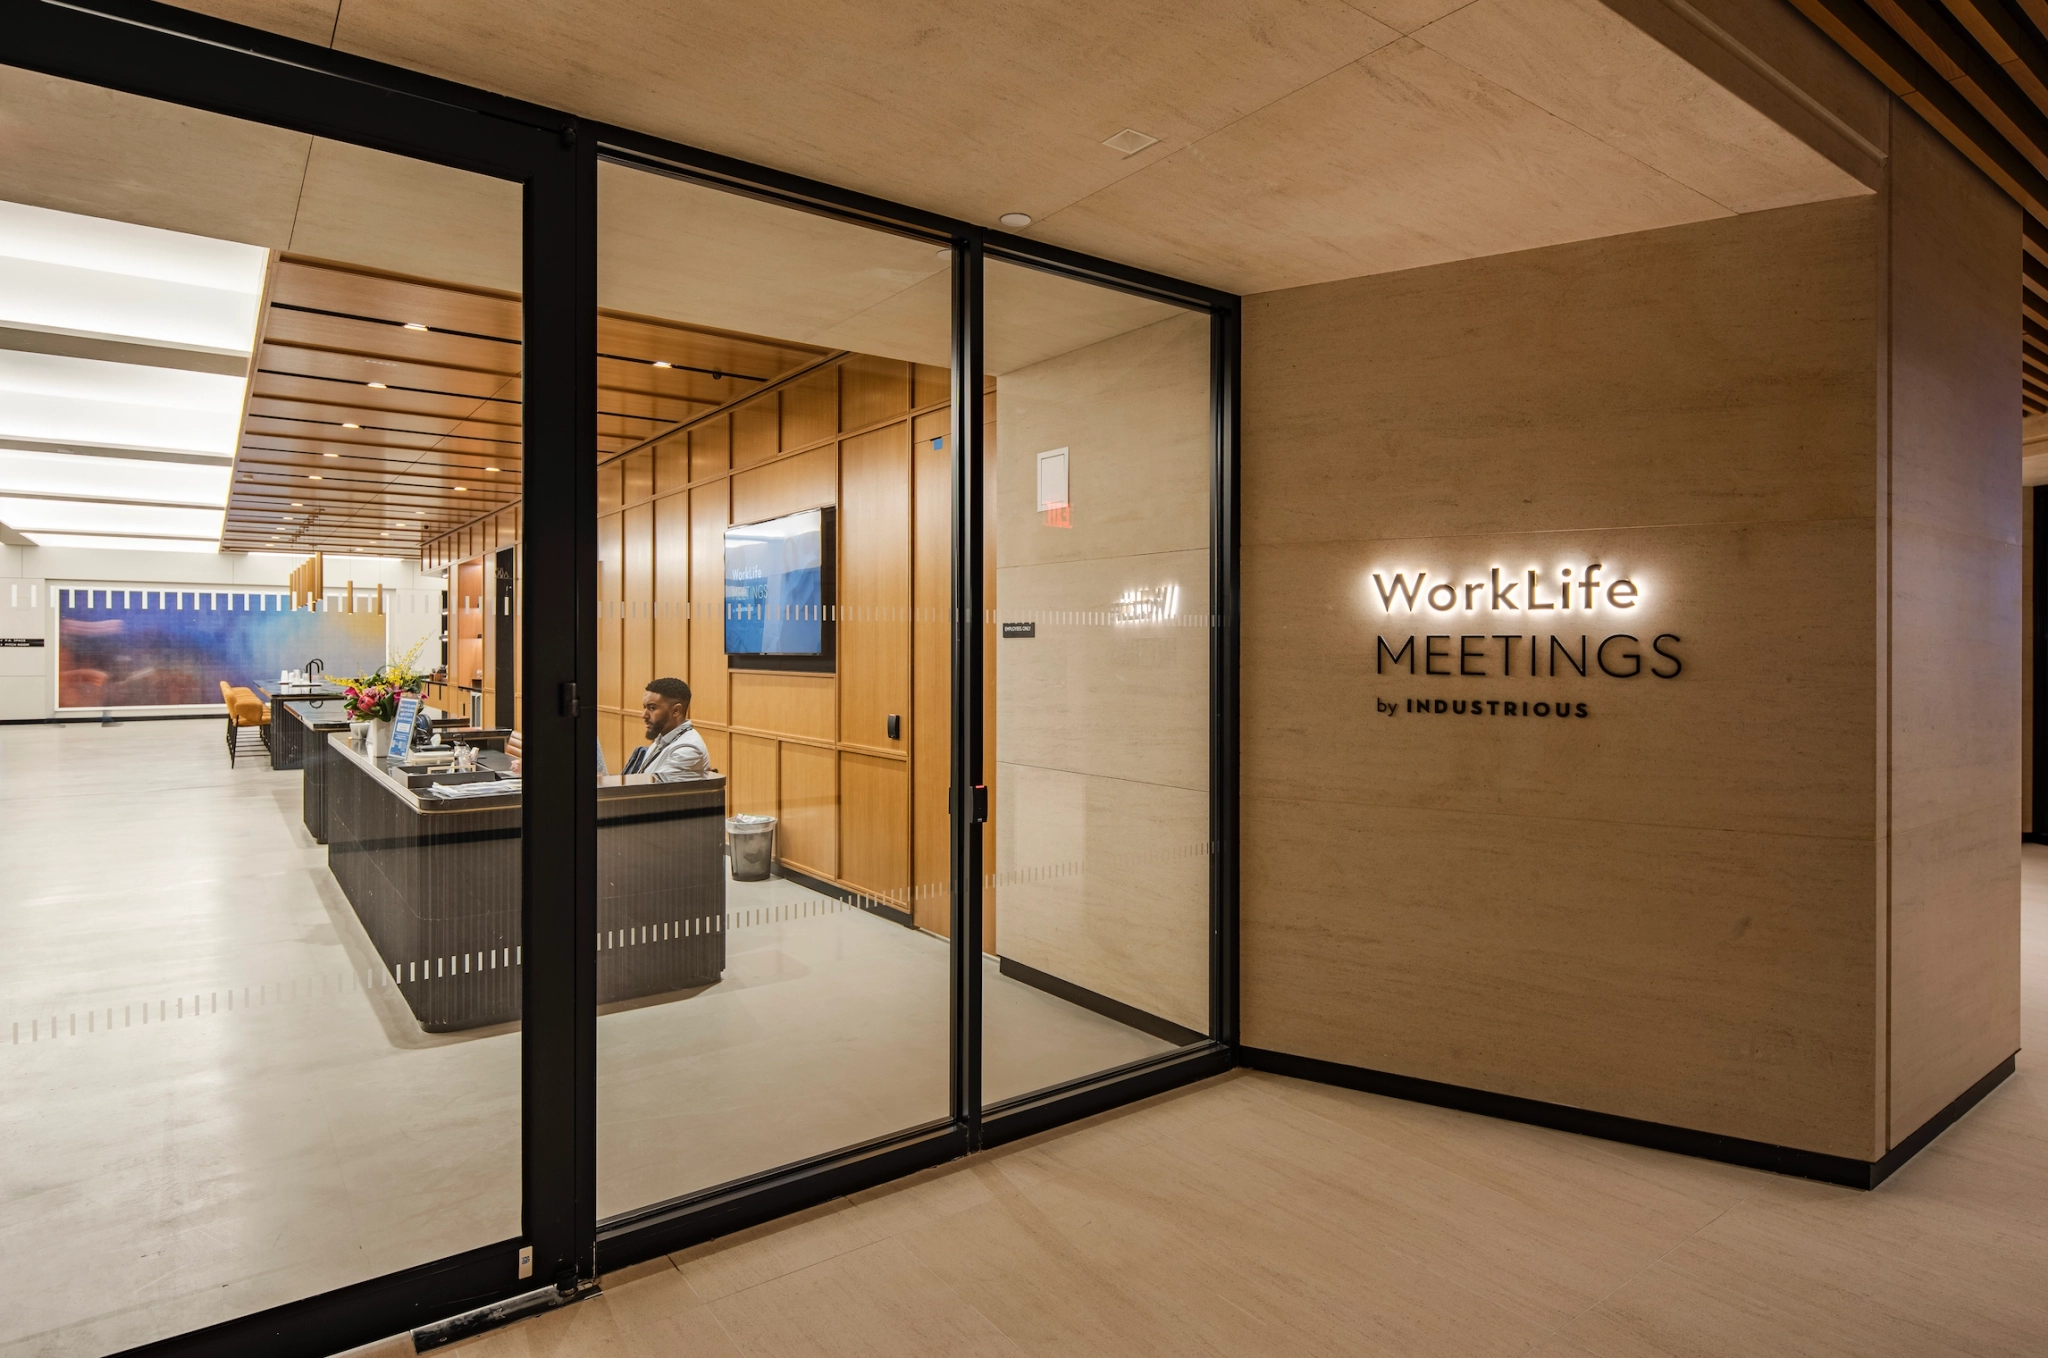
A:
x: 374, y: 696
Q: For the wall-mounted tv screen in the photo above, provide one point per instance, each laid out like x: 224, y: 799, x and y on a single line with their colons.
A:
x: 779, y: 590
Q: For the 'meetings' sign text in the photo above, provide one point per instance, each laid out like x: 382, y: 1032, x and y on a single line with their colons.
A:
x: 1516, y: 624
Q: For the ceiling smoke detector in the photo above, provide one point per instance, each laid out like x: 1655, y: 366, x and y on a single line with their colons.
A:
x: 1130, y: 141
x: 1016, y: 221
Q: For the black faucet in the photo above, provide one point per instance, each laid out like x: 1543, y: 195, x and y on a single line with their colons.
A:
x: 314, y: 667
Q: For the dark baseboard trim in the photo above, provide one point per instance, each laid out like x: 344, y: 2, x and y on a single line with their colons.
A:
x: 851, y: 897
x: 1916, y: 1140
x: 1734, y: 1150
x: 359, y: 1314
x: 1045, y: 1109
x: 1166, y: 1030
x: 697, y: 1217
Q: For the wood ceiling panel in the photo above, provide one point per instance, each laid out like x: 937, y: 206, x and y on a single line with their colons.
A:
x: 273, y: 432
x: 438, y: 443
x: 745, y: 356
x: 326, y: 287
x: 475, y: 420
x: 291, y: 360
x: 388, y: 401
x: 339, y: 334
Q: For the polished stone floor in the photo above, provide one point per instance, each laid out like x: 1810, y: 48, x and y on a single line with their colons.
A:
x: 1255, y: 1215
x: 211, y: 1106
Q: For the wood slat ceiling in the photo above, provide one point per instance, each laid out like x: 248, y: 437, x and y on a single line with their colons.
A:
x: 384, y: 411
x: 1977, y: 70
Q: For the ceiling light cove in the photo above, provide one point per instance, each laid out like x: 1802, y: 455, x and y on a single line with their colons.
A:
x: 113, y: 478
x: 102, y: 543
x: 157, y: 329
x: 29, y: 516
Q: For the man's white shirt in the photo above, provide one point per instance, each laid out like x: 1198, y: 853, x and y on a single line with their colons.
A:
x: 678, y: 754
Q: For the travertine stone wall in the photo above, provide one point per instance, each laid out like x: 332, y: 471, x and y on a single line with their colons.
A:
x: 1102, y: 803
x: 1954, y: 509
x: 1689, y: 904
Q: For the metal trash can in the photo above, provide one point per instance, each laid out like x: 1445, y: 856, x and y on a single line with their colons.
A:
x: 752, y: 842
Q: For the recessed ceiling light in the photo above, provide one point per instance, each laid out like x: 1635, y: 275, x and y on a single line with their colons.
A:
x: 316, y: 478
x: 378, y: 385
x: 414, y: 325
x: 462, y: 487
x: 383, y: 535
x: 1130, y: 141
x: 345, y: 424
x: 1016, y: 221
x: 663, y: 363
x: 297, y: 505
x: 330, y: 454
x: 490, y: 469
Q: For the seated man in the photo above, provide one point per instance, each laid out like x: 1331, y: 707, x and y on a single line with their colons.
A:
x: 677, y: 751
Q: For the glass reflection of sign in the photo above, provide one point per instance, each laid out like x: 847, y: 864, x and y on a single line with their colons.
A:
x: 778, y: 592
x: 1151, y: 603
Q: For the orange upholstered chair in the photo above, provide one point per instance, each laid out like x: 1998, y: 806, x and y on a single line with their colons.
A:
x: 246, y: 711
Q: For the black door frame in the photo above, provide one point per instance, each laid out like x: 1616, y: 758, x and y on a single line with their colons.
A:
x: 160, y: 52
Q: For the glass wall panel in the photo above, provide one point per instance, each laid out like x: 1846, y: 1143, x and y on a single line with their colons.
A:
x: 773, y: 493
x: 259, y: 988
x: 1096, y: 913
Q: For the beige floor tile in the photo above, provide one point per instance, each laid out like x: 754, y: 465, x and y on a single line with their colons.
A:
x: 876, y: 1300
x: 749, y: 1258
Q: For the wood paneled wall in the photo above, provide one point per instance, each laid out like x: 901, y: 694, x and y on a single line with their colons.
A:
x: 857, y: 808
x: 865, y: 435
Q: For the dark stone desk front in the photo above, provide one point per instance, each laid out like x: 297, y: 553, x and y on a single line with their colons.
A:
x: 436, y: 885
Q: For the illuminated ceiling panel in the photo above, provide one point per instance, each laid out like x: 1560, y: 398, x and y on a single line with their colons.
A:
x: 113, y: 478
x: 54, y: 398
x: 68, y: 301
x: 48, y: 237
x: 30, y: 516
x: 121, y: 337
x: 124, y: 544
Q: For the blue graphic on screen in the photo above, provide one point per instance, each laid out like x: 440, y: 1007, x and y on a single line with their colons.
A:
x: 171, y: 647
x: 774, y: 586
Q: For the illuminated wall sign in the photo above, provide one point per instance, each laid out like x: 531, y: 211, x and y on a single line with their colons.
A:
x: 1514, y: 623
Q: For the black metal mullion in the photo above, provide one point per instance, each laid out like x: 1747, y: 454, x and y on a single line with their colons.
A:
x: 968, y: 800
x: 558, y: 682
x: 1223, y: 657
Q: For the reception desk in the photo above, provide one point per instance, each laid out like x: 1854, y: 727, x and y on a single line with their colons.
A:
x: 435, y: 884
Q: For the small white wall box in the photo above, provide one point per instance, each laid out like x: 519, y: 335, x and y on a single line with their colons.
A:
x: 1052, y: 484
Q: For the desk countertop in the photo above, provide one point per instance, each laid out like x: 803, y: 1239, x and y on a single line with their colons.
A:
x: 637, y: 787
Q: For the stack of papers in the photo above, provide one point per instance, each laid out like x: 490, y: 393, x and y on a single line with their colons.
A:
x: 503, y: 787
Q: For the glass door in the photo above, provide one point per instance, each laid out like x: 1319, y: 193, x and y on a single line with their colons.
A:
x: 773, y: 543
x: 262, y: 981
x: 1097, y: 636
